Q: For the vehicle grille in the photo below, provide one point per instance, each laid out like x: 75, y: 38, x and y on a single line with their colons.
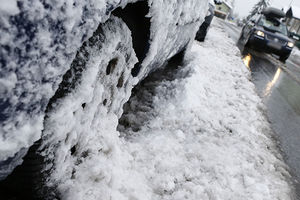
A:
x: 275, y: 39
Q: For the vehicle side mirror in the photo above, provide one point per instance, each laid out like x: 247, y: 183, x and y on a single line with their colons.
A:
x: 218, y: 2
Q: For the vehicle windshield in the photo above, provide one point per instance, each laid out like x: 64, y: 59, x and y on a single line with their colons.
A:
x: 273, y: 25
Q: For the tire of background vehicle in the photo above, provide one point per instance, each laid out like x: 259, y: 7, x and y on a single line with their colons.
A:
x: 283, y: 58
x: 247, y: 43
x: 98, y: 78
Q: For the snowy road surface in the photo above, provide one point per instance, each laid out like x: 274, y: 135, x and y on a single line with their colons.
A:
x: 202, y: 134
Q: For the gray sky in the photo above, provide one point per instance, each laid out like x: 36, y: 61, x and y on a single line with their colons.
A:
x: 243, y: 7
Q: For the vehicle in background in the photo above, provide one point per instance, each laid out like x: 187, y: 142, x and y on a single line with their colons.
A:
x: 267, y: 33
x: 201, y: 33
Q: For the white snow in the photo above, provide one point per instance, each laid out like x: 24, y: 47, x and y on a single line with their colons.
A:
x: 199, y: 134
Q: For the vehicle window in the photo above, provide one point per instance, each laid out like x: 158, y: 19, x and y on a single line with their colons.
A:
x: 273, y: 25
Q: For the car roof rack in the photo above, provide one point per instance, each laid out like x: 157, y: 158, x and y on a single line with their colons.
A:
x: 271, y: 12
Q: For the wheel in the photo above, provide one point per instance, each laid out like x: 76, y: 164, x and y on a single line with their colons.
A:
x: 283, y: 58
x: 247, y: 42
x: 81, y: 116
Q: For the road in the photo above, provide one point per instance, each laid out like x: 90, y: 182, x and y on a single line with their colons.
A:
x: 278, y: 85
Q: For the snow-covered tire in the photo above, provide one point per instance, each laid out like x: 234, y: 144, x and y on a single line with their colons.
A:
x: 93, y: 90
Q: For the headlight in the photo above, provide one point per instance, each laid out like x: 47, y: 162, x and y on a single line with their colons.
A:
x: 260, y: 33
x: 290, y: 44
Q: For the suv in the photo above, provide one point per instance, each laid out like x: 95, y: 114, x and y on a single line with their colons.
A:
x: 267, y: 33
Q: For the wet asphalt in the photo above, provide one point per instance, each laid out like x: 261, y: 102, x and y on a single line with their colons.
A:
x: 278, y: 84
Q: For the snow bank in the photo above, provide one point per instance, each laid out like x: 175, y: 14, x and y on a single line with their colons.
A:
x: 202, y: 134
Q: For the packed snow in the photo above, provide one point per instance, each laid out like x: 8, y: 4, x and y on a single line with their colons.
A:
x: 197, y: 132
x: 40, y: 39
